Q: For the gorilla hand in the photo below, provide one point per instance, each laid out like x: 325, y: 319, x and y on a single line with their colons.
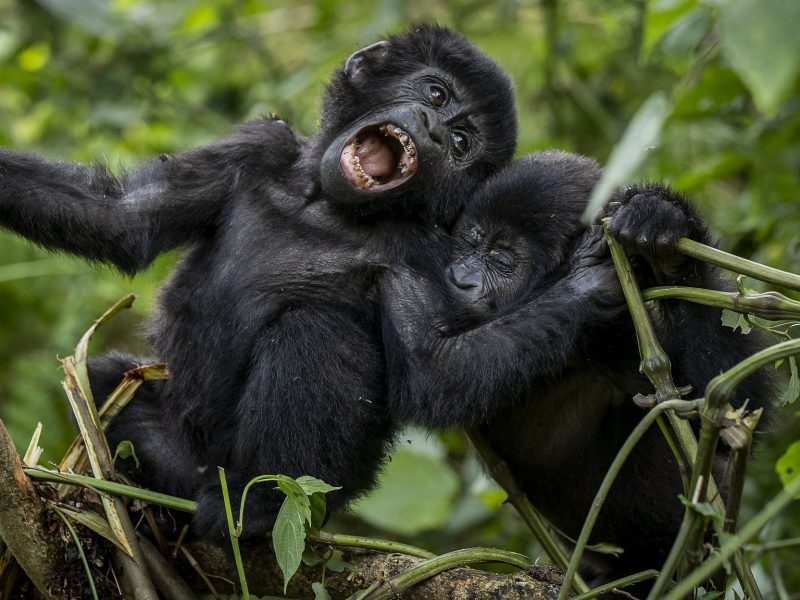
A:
x: 649, y: 222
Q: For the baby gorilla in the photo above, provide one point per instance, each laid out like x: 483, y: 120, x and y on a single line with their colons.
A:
x: 525, y: 338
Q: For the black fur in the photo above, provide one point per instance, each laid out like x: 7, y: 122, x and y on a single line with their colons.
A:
x: 269, y: 324
x: 541, y: 358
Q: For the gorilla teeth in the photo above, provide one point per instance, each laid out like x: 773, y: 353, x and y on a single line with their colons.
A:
x: 397, y: 146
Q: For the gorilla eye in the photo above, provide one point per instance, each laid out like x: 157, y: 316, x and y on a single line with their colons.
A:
x: 503, y: 259
x: 437, y: 95
x: 460, y: 143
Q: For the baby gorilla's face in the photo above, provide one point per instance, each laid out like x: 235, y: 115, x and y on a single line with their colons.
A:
x: 490, y: 267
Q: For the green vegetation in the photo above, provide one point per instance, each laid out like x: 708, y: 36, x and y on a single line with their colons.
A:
x: 125, y: 79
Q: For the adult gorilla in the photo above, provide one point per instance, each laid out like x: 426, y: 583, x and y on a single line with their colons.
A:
x: 270, y: 322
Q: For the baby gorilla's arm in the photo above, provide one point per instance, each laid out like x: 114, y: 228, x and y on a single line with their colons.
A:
x: 462, y: 377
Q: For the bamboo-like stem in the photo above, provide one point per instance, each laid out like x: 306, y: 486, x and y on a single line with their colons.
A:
x: 772, y: 306
x: 738, y: 264
x: 357, y: 541
x: 112, y: 488
x: 655, y: 363
x: 76, y: 385
x: 662, y: 381
x: 500, y: 472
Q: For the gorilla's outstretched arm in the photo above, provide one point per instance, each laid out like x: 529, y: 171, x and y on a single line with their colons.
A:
x: 128, y: 221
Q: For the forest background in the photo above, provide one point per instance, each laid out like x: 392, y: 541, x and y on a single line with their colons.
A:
x: 121, y: 80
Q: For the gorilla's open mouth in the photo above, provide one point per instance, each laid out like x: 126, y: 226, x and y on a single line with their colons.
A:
x: 379, y: 157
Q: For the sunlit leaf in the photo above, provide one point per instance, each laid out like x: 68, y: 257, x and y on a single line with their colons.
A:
x: 640, y: 136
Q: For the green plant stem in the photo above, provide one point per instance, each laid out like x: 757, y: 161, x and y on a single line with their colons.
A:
x: 618, y: 584
x: 772, y: 546
x: 662, y: 379
x: 717, y: 560
x: 237, y: 555
x: 737, y: 264
x: 608, y: 480
x: 445, y: 562
x: 112, y: 487
x: 500, y: 472
x: 772, y: 306
x: 718, y: 394
x: 655, y: 363
x: 81, y: 553
x: 356, y: 541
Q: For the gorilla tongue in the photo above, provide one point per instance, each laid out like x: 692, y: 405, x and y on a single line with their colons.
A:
x: 375, y: 156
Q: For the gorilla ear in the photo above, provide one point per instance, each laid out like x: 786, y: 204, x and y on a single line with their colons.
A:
x: 371, y: 55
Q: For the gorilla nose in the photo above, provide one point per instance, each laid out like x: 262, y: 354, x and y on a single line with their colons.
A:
x: 463, y: 278
x: 432, y: 123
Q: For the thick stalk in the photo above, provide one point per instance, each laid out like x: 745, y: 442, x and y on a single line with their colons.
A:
x: 738, y: 264
x: 772, y: 306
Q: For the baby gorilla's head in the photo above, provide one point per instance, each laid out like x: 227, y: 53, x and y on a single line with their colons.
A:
x: 517, y: 231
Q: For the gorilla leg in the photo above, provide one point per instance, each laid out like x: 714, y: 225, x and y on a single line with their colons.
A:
x: 162, y: 459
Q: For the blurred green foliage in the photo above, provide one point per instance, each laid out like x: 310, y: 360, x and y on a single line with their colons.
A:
x: 118, y: 80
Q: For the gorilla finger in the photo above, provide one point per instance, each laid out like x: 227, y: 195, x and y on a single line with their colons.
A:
x: 665, y: 245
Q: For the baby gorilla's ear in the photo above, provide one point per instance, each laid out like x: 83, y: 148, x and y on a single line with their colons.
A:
x: 364, y: 58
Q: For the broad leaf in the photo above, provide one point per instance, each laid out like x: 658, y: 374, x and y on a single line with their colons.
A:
x: 289, y: 536
x: 641, y: 135
x: 760, y: 39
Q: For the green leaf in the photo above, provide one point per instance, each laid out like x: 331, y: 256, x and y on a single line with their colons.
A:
x: 734, y: 319
x: 792, y: 391
x: 311, y: 558
x: 640, y: 136
x: 662, y: 16
x: 337, y: 564
x: 289, y: 536
x: 318, y: 509
x: 760, y: 39
x: 320, y: 593
x: 788, y: 465
x: 312, y: 485
x: 294, y: 492
x: 415, y: 493
x: 125, y: 449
